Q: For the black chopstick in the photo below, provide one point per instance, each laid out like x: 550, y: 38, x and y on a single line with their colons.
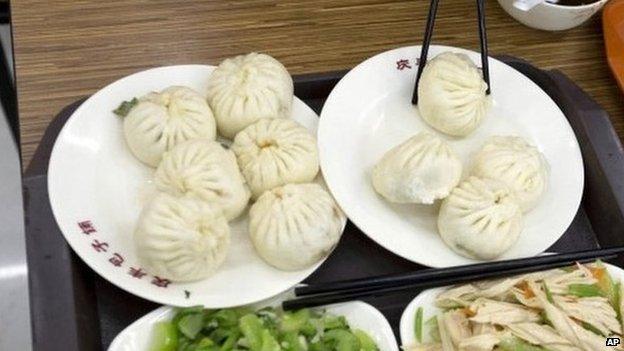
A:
x: 444, y: 273
x: 424, y: 51
x: 326, y: 299
x: 448, y: 276
x: 485, y: 67
x: 349, y: 295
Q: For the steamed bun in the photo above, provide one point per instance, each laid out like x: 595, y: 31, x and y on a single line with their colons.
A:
x: 420, y: 170
x: 295, y: 226
x: 451, y: 94
x: 513, y: 161
x: 246, y: 88
x: 162, y: 120
x: 181, y: 239
x: 481, y: 218
x: 274, y: 152
x: 203, y: 169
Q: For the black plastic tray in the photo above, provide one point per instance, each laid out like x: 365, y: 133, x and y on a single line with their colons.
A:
x: 75, y: 309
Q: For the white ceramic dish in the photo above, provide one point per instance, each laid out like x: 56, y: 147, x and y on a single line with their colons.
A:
x: 426, y: 300
x: 553, y: 17
x: 370, y: 111
x: 360, y: 315
x: 94, y: 179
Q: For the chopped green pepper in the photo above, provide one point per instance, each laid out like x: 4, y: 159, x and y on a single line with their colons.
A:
x: 124, y: 108
x: 515, y: 344
x: 544, y: 318
x: 418, y: 324
x: 292, y: 342
x: 268, y: 329
x: 295, y: 321
x: 618, y: 299
x: 252, y: 328
x: 191, y: 324
x: 585, y: 290
x: 165, y: 337
x: 226, y: 318
x: 549, y: 296
x: 342, y: 340
x: 268, y: 342
x: 605, y: 283
x: 434, y: 331
x: 334, y: 322
x: 366, y: 342
x: 230, y: 341
x: 591, y: 328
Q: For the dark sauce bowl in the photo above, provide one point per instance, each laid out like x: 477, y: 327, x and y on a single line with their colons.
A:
x: 553, y: 17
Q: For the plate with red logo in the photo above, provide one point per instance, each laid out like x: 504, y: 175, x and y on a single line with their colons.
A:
x: 370, y: 111
x: 97, y: 189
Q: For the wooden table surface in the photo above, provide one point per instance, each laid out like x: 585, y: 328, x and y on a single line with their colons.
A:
x: 67, y: 49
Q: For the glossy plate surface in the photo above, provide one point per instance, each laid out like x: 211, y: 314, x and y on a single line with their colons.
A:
x: 370, y: 111
x: 97, y: 190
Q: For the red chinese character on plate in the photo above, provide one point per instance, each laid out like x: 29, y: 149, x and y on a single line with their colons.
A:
x: 86, y: 227
x: 98, y: 246
x: 403, y: 64
x: 160, y: 282
x: 116, y: 260
x: 137, y: 272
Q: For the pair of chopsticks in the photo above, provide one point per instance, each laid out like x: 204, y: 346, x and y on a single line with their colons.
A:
x: 433, y: 9
x: 347, y: 290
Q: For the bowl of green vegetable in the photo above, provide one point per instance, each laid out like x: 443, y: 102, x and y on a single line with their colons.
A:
x: 351, y: 326
x: 570, y: 308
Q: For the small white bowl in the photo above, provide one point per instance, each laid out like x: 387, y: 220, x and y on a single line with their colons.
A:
x: 360, y: 315
x: 553, y: 17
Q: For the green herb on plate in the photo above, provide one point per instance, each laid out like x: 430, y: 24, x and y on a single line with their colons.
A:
x: 124, y: 108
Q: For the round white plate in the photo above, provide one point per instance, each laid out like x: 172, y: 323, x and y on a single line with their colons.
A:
x: 97, y: 189
x: 370, y: 111
x: 426, y: 300
x: 360, y: 315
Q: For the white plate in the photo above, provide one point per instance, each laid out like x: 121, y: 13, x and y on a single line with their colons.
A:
x: 360, y: 315
x: 426, y: 300
x: 94, y: 177
x: 370, y: 111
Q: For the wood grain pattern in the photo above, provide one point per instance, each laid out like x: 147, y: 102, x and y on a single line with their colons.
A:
x: 66, y: 49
